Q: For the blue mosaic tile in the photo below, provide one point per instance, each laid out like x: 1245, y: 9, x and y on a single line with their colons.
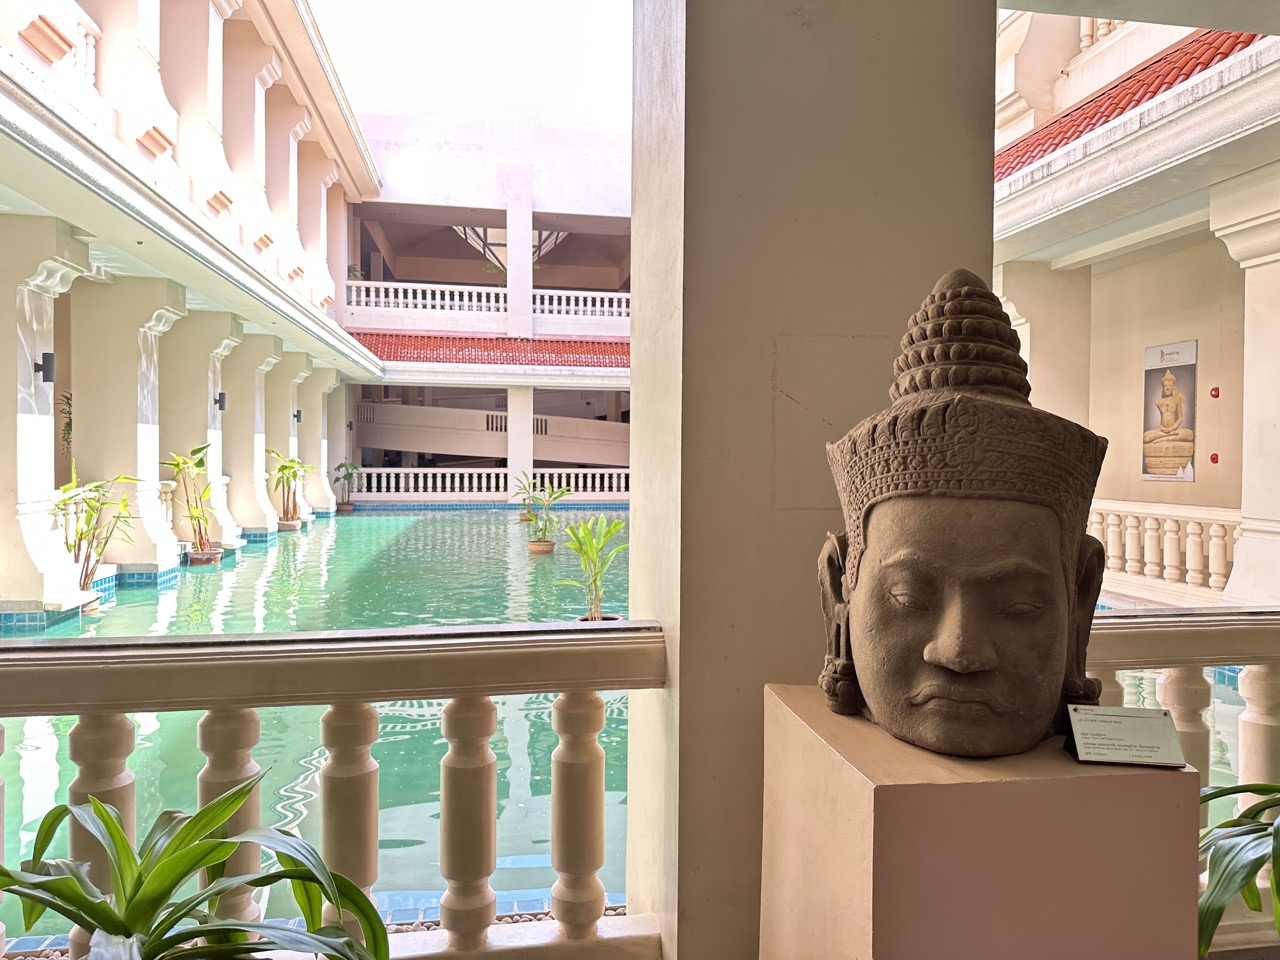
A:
x: 25, y: 944
x: 59, y: 941
x: 365, y: 506
x: 404, y: 915
x: 270, y: 537
x: 13, y: 623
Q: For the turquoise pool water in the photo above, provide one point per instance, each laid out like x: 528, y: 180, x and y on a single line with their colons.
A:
x: 364, y: 570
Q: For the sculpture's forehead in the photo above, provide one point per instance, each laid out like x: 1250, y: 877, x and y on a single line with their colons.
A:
x: 961, y: 532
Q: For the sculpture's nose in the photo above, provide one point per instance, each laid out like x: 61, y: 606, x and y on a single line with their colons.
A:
x: 962, y: 643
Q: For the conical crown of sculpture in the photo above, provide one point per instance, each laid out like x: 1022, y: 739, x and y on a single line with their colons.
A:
x: 961, y: 424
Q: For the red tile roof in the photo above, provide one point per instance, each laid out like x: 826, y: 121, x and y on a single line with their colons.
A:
x: 417, y: 348
x: 1145, y: 83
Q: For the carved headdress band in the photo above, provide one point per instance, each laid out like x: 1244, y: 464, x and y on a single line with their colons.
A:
x: 960, y: 423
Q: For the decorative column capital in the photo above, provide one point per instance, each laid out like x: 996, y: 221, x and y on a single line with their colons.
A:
x: 54, y: 277
x: 162, y: 320
x: 1244, y: 213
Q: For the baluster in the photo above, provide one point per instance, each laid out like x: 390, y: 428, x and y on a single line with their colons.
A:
x: 1195, y: 554
x: 1132, y: 682
x: 1172, y: 552
x: 1132, y: 545
x: 577, y: 813
x: 227, y: 737
x: 1104, y: 27
x: 468, y: 821
x: 1151, y: 549
x: 349, y: 796
x: 1088, y: 26
x: 99, y: 745
x: 1115, y: 542
x: 1217, y: 556
x: 1259, y: 725
x: 1186, y: 694
x: 1112, y: 689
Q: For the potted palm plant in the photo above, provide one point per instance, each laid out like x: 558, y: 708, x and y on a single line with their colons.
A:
x: 345, y: 474
x: 92, y: 515
x: 148, y: 915
x: 287, y: 474
x: 525, y: 488
x: 541, y: 521
x: 187, y: 472
x: 1237, y: 850
x: 589, y: 539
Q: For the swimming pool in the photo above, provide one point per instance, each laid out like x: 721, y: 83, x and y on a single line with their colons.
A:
x: 379, y: 569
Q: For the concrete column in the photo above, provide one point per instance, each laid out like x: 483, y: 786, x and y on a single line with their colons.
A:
x: 189, y: 416
x: 116, y: 330
x: 249, y: 68
x: 762, y: 375
x: 519, y: 433
x: 316, y: 174
x: 287, y: 122
x: 39, y: 259
x: 1056, y: 307
x: 313, y: 438
x: 335, y: 199
x: 516, y: 181
x: 281, y: 421
x: 613, y: 401
x: 1245, y: 213
x: 191, y: 69
x: 244, y: 457
x: 62, y: 389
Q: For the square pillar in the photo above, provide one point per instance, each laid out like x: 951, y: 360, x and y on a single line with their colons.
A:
x: 39, y: 259
x: 1245, y: 213
x: 281, y: 423
x: 116, y: 330
x: 313, y: 439
x: 316, y: 174
x: 519, y: 433
x: 189, y: 416
x: 249, y: 68
x: 741, y: 173
x: 341, y: 413
x: 516, y: 185
x: 244, y: 456
x: 287, y: 122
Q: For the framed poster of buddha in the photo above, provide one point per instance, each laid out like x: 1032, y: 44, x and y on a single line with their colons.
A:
x: 1169, y: 412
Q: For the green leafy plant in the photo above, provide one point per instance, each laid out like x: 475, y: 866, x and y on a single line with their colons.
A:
x: 143, y: 917
x: 525, y: 488
x: 187, y: 471
x: 589, y: 539
x: 541, y: 521
x: 92, y: 515
x: 64, y: 408
x: 1237, y: 849
x: 288, y: 473
x: 345, y: 473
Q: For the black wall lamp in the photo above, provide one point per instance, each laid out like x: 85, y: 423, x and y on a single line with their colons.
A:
x: 297, y: 415
x: 349, y: 425
x: 44, y: 367
x: 220, y: 401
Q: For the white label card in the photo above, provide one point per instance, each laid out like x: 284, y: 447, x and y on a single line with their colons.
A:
x: 1123, y: 735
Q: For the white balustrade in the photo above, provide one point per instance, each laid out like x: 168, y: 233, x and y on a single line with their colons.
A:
x: 453, y: 298
x: 427, y: 484
x: 468, y: 820
x: 464, y: 665
x: 577, y: 813
x: 167, y: 488
x: 581, y: 303
x: 227, y: 738
x: 599, y: 483
x: 349, y: 784
x: 1161, y: 551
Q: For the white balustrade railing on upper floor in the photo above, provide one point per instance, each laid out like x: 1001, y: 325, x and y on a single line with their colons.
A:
x: 426, y: 484
x: 451, y: 298
x: 102, y: 681
x: 590, y: 483
x: 456, y: 308
x: 1166, y: 552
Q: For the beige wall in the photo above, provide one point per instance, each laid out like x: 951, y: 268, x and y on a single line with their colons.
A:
x: 789, y: 215
x: 1187, y: 289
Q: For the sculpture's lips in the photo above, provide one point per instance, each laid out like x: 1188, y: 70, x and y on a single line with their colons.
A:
x: 977, y: 697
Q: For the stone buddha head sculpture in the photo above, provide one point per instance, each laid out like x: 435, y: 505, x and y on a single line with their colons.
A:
x: 958, y: 600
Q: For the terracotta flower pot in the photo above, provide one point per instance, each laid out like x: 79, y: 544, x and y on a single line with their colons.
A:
x: 346, y: 507
x: 541, y: 546
x: 198, y: 558
x: 290, y: 526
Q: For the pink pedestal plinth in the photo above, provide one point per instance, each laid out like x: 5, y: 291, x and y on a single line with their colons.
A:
x: 878, y: 850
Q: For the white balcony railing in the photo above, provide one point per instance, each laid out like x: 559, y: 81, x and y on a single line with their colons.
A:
x: 1165, y: 552
x: 231, y: 680
x: 454, y: 308
x: 427, y: 484
x: 592, y: 483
